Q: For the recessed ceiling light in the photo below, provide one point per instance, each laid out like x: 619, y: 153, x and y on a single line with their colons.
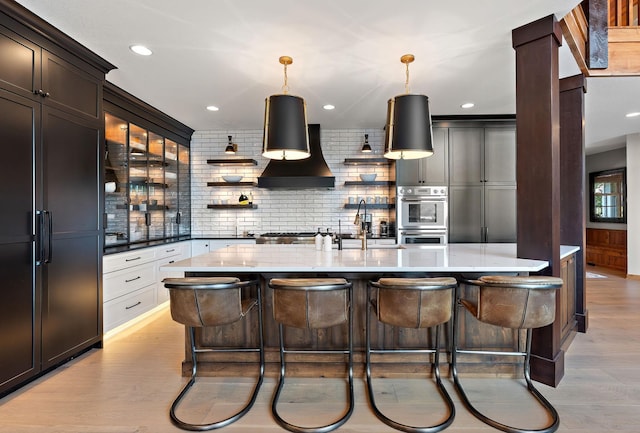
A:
x: 212, y: 108
x: 141, y: 49
x: 468, y: 105
x: 634, y: 114
x: 328, y: 107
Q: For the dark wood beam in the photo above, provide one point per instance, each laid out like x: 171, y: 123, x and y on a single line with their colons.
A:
x: 572, y: 183
x: 538, y: 171
x: 598, y: 33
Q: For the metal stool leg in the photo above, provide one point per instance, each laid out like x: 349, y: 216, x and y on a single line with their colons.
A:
x: 350, y: 404
x: 194, y: 351
x: 436, y: 363
x: 555, y: 419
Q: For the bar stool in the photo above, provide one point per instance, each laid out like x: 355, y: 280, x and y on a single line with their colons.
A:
x: 411, y: 303
x: 516, y: 302
x: 197, y: 302
x: 312, y: 303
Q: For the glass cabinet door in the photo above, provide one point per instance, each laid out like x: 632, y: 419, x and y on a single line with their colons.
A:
x: 147, y: 185
x: 116, y: 180
x: 171, y: 188
x: 156, y: 185
x: 138, y: 188
x: 184, y: 191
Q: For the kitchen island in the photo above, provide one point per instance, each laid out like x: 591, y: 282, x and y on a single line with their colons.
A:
x: 269, y: 261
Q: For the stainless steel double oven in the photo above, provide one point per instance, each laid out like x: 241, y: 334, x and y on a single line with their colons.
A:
x: 422, y: 214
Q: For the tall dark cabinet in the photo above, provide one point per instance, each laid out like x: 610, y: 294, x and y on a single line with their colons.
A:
x: 51, y: 129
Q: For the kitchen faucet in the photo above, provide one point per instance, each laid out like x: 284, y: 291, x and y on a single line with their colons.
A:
x: 363, y: 223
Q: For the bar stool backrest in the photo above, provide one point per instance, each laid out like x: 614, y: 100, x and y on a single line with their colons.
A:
x: 517, y: 302
x: 312, y: 303
x: 212, y: 302
x: 414, y: 302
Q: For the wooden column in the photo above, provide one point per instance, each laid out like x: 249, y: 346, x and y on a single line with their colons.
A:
x: 538, y: 171
x: 572, y: 183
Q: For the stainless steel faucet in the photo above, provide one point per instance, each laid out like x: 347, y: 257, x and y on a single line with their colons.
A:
x: 362, y: 222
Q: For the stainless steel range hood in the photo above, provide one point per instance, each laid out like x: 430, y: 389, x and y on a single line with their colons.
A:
x: 312, y: 172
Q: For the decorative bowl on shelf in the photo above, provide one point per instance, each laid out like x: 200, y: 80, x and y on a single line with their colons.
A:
x: 368, y: 177
x: 230, y: 178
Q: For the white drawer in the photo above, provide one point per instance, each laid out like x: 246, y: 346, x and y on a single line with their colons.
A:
x: 125, y: 308
x: 126, y: 281
x: 163, y: 292
x: 115, y: 262
x: 170, y: 250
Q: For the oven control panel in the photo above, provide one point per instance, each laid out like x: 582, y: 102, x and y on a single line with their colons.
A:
x: 429, y: 191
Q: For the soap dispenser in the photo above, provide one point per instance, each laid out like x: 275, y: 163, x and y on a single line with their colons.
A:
x: 327, y: 241
x: 318, y: 240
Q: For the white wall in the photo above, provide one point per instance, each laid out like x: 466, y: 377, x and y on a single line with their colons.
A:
x: 633, y: 204
x: 290, y: 210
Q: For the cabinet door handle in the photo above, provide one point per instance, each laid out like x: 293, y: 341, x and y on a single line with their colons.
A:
x: 41, y: 92
x: 134, y: 305
x: 133, y: 279
x: 178, y: 218
x: 170, y: 251
x: 131, y: 260
x: 39, y: 237
x: 49, y: 253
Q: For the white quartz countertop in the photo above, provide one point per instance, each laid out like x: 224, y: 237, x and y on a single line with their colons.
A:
x: 305, y: 258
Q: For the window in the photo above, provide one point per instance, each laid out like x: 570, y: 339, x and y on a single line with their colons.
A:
x: 607, y: 194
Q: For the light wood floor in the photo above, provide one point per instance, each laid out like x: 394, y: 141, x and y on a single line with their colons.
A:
x: 128, y: 386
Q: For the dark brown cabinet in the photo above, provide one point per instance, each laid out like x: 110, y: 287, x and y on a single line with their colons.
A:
x: 50, y: 226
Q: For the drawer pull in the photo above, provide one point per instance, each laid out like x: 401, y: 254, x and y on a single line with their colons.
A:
x: 130, y: 260
x: 134, y: 305
x: 133, y: 279
x: 170, y: 251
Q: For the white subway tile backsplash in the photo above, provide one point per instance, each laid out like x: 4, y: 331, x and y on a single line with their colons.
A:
x: 290, y: 210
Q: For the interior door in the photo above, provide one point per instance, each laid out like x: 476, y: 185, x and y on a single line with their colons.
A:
x: 71, y: 306
x: 19, y: 352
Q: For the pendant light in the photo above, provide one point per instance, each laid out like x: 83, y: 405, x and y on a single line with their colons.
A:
x: 231, y: 148
x: 408, y: 130
x: 285, y: 124
x: 366, y: 147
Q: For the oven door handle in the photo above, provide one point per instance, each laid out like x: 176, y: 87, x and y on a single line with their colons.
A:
x: 423, y: 232
x: 422, y: 200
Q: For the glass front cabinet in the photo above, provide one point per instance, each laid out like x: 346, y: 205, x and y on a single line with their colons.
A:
x: 147, y: 182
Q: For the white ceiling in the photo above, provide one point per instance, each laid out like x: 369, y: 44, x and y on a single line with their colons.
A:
x: 345, y: 52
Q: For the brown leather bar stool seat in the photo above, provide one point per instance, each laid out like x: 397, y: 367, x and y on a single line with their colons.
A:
x: 514, y: 302
x: 312, y: 303
x: 411, y: 303
x: 198, y: 302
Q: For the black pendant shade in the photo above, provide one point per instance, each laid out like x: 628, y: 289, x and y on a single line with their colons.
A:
x: 231, y: 148
x: 408, y: 129
x: 285, y: 128
x: 366, y: 147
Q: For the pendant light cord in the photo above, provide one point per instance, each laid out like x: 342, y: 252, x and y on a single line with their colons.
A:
x: 406, y: 83
x: 285, y: 86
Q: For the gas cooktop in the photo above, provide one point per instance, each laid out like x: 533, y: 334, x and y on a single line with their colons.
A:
x: 286, y: 238
x: 287, y: 234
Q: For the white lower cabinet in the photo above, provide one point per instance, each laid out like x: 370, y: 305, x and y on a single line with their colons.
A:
x: 202, y: 246
x: 172, y: 255
x: 132, y: 281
